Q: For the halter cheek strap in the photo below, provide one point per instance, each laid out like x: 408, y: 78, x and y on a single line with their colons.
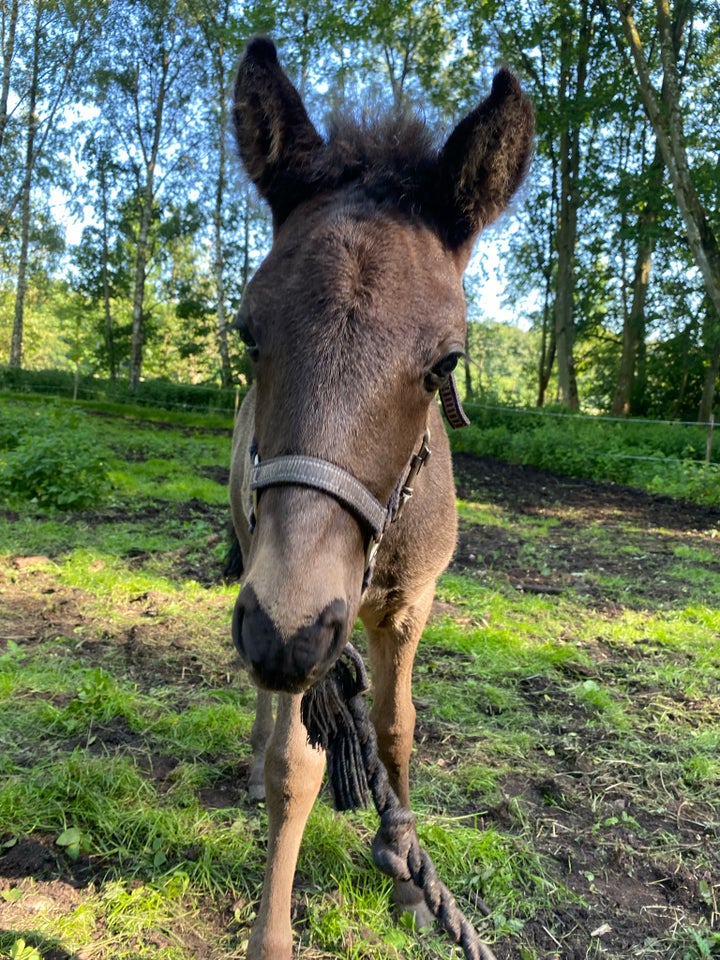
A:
x: 452, y: 407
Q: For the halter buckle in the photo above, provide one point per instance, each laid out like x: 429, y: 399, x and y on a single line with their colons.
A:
x: 417, y: 462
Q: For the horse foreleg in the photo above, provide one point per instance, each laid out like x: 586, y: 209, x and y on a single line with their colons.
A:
x: 260, y: 734
x: 392, y: 647
x: 293, y: 774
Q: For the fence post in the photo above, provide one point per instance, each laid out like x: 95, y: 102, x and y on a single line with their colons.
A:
x: 708, y: 449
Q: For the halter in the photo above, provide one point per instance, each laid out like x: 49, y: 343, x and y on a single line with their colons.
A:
x: 318, y: 474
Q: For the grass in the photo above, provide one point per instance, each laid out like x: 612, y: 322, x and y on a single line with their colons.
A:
x: 566, y: 770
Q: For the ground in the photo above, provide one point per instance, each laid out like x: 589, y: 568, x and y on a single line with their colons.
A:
x: 633, y: 891
x: 630, y: 889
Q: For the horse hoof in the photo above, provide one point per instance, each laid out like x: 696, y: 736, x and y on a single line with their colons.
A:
x: 409, y: 899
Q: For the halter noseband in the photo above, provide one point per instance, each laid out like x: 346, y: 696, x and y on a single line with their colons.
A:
x: 318, y: 474
x: 345, y: 488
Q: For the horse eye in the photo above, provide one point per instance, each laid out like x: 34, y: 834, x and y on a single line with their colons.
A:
x: 247, y: 338
x: 439, y: 372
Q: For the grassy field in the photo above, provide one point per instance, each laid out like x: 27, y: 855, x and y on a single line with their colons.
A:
x: 567, y: 769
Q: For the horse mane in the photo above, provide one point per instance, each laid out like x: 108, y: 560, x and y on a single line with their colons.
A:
x: 390, y: 155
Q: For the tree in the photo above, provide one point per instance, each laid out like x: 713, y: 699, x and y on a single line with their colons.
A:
x: 215, y: 22
x: 630, y: 385
x: 144, y: 89
x: 554, y: 43
x: 38, y: 65
x: 664, y: 109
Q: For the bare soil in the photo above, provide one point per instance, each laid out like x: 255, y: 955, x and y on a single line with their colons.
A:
x: 656, y: 868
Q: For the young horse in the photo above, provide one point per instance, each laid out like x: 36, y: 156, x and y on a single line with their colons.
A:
x: 354, y: 321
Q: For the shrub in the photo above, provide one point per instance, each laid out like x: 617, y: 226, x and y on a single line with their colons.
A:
x: 661, y: 457
x: 54, y: 461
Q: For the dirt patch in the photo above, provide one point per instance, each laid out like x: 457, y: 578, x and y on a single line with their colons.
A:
x: 642, y: 537
x: 54, y: 897
x: 527, y: 490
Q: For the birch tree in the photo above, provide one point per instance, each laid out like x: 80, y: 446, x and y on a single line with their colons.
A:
x: 145, y: 87
x: 664, y: 108
x: 42, y: 41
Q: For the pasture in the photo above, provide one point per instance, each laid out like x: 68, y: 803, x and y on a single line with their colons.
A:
x: 567, y: 762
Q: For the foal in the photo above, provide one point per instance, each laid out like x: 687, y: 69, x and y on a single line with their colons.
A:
x: 354, y: 321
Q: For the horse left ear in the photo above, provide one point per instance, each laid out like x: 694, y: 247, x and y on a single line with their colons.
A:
x: 484, y: 162
x: 275, y: 136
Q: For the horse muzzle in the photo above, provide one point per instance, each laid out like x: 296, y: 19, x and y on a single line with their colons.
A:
x: 288, y: 664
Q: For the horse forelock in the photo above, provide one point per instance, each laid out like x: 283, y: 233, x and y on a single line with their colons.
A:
x: 391, y: 156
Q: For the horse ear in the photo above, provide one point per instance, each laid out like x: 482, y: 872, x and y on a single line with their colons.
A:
x: 484, y: 161
x: 275, y: 136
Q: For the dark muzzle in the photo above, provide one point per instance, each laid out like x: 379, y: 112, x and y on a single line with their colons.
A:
x: 290, y: 664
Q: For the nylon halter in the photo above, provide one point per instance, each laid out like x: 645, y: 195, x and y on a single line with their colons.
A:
x: 318, y: 474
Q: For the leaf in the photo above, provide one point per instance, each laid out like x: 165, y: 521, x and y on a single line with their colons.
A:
x: 12, y: 895
x: 69, y: 837
x: 70, y: 840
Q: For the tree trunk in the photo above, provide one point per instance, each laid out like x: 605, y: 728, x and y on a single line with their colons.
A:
x: 8, y: 53
x: 16, y: 344
x: 146, y: 220
x: 107, y: 312
x: 138, y: 314
x: 469, y: 390
x: 219, y: 261
x: 626, y: 390
x: 571, y: 57
x: 665, y: 114
x: 547, y: 340
x: 547, y: 355
x: 712, y: 345
x: 684, y: 339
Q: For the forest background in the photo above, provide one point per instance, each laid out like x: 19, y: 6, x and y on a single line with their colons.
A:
x: 127, y: 232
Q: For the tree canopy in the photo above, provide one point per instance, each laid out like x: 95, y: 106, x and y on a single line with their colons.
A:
x: 127, y: 232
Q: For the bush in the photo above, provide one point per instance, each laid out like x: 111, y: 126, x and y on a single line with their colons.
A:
x: 52, y: 460
x: 661, y: 457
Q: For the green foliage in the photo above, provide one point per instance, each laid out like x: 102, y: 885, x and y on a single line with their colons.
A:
x: 23, y: 951
x: 151, y: 393
x: 52, y: 459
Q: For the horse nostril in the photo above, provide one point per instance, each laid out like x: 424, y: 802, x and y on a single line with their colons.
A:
x: 290, y: 663
x: 334, y: 618
x: 314, y: 648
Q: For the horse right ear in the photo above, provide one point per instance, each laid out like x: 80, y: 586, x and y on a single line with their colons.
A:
x: 484, y: 161
x: 275, y: 136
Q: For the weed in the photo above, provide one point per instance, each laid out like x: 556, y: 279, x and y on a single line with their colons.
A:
x: 53, y: 461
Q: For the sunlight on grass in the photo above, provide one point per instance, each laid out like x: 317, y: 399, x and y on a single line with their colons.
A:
x: 204, y: 729
x: 695, y: 554
x: 482, y: 513
x: 602, y: 702
x: 165, y: 480
x: 110, y: 578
